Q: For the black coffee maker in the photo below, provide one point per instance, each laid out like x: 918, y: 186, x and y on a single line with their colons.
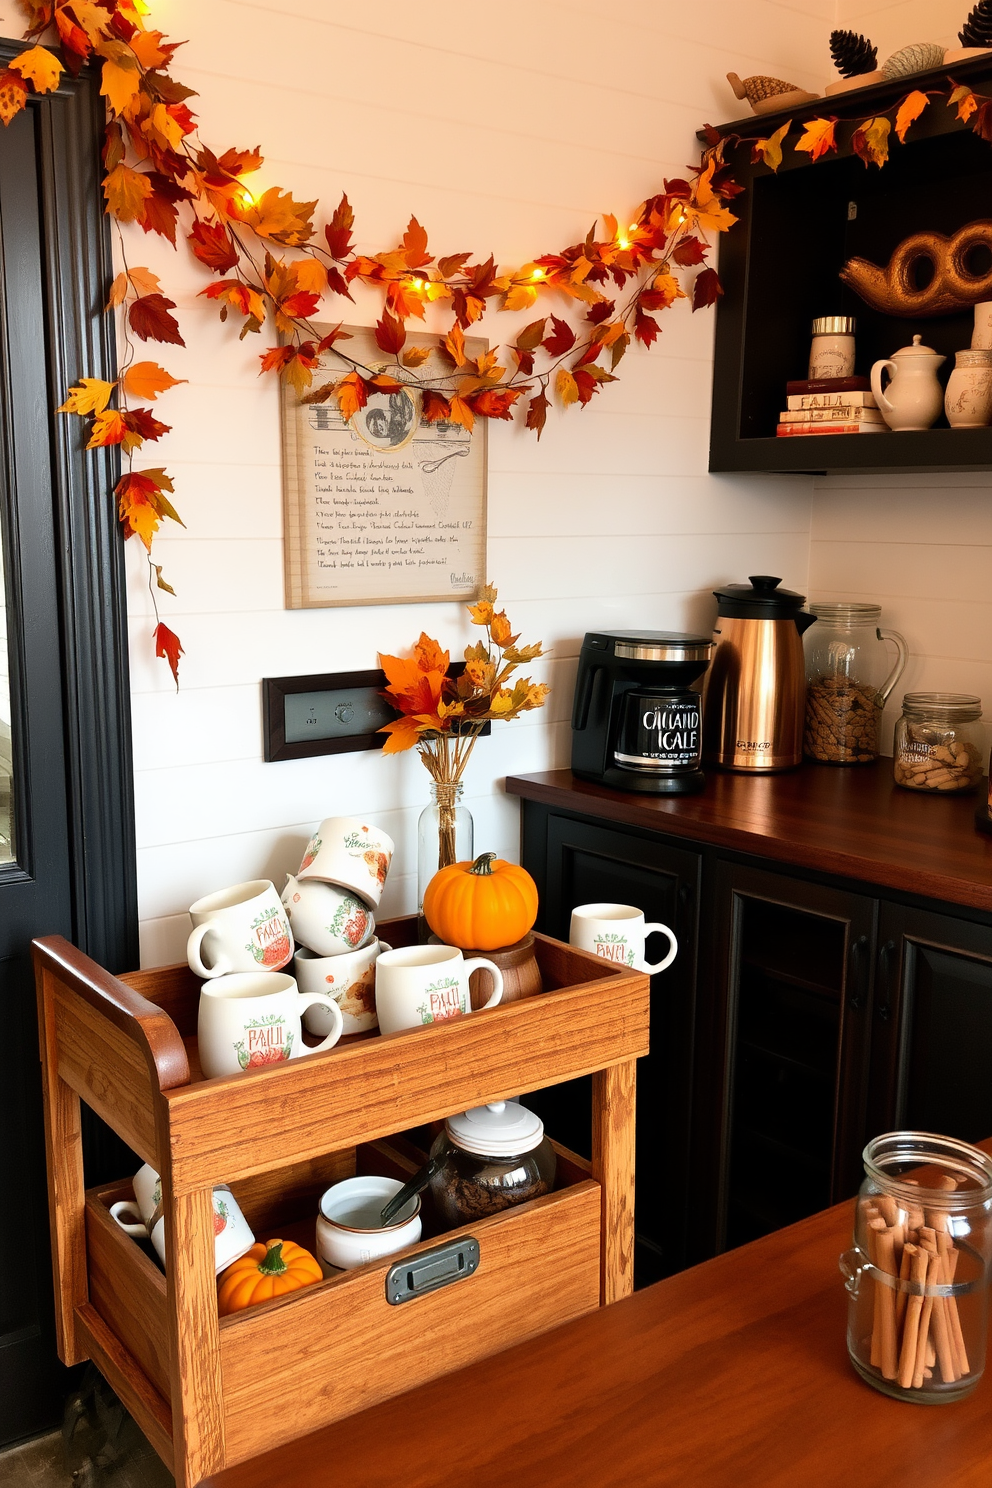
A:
x: 635, y: 718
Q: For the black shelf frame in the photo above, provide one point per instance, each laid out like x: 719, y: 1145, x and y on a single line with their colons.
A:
x: 779, y: 266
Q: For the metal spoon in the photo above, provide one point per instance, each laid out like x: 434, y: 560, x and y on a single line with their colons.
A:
x: 416, y: 1185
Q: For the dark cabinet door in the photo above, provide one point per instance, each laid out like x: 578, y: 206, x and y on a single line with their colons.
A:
x: 932, y: 1025
x: 586, y: 863
x: 783, y: 1050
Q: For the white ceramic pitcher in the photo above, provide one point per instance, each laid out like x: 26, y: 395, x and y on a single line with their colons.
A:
x: 914, y: 396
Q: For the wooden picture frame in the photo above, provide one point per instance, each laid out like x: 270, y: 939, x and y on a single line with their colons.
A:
x: 383, y: 508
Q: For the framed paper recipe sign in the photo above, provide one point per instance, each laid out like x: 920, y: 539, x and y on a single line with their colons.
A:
x: 384, y: 509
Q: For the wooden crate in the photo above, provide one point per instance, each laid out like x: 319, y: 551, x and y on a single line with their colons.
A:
x: 211, y: 1392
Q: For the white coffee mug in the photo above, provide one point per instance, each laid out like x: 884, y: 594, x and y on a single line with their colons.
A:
x: 243, y: 928
x: 251, y: 1020
x: 617, y: 933
x: 327, y: 919
x: 349, y: 1229
x: 232, y: 1237
x: 350, y: 980
x: 427, y: 984
x: 351, y: 853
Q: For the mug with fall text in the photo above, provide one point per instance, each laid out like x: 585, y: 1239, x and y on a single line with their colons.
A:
x: 617, y: 932
x: 243, y: 928
x: 415, y: 985
x: 248, y: 1021
x: 350, y: 853
x: 232, y: 1237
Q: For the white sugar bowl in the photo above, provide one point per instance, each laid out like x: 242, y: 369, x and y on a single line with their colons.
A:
x: 349, y: 1229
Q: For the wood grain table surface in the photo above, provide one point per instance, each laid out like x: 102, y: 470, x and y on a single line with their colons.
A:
x: 854, y: 822
x: 733, y: 1374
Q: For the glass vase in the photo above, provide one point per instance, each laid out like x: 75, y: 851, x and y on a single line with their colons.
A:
x: 445, y: 834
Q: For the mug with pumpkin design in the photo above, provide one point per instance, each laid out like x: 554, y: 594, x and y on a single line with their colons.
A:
x: 243, y: 928
x: 349, y: 979
x: 248, y: 1021
x: 146, y: 1221
x: 351, y: 854
x: 326, y: 919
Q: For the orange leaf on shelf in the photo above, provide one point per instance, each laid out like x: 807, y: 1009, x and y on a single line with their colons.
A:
x: 818, y: 137
x: 911, y: 108
x: 871, y: 142
x: 770, y: 150
x: 966, y: 102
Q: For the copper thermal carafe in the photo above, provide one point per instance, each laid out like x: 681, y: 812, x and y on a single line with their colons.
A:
x: 756, y: 687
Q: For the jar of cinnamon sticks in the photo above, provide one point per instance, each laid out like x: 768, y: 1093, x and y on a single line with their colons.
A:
x: 918, y: 1273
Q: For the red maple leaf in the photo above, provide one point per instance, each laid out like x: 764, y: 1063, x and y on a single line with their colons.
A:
x: 212, y: 245
x: 142, y: 421
x: 150, y: 320
x: 338, y: 231
x: 167, y: 648
x: 562, y: 338
x: 706, y: 289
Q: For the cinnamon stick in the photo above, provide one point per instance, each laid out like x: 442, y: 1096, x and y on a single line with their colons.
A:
x: 949, y: 1258
x: 923, y: 1337
x: 939, y: 1320
x: 919, y: 1262
x: 874, y: 1225
x: 908, y: 1252
x: 885, y: 1245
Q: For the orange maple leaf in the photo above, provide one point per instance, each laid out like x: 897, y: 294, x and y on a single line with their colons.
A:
x: 13, y: 94
x: 146, y: 380
x: 126, y: 191
x: 40, y: 67
x: 402, y: 674
x: 167, y: 648
x: 911, y: 108
x: 108, y: 428
x: 818, y: 137
x: 966, y: 102
x: 429, y: 656
x: 351, y: 394
x: 277, y: 216
x: 403, y: 733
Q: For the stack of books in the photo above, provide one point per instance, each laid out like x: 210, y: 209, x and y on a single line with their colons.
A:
x: 831, y: 405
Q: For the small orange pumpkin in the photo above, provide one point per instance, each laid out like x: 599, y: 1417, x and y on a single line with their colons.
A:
x: 481, y: 906
x: 266, y: 1271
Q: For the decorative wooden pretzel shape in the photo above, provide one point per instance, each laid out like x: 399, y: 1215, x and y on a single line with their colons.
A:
x: 953, y: 286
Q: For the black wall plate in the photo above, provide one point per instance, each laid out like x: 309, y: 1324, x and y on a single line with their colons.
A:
x: 328, y: 713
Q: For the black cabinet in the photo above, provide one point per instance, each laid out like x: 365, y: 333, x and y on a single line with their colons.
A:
x: 931, y: 1064
x: 787, y: 1010
x: 803, y: 1015
x: 587, y: 863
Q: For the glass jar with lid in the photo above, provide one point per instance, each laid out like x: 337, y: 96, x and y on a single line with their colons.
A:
x: 849, y: 676
x: 917, y: 1275
x: 939, y: 742
x: 488, y: 1159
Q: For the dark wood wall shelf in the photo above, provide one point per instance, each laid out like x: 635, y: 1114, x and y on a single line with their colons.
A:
x: 780, y: 267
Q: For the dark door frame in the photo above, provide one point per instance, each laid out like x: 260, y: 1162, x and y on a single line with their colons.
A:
x: 78, y: 268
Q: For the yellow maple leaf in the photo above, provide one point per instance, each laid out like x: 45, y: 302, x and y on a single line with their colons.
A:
x: 298, y: 375
x: 311, y: 275
x: 911, y: 108
x: 90, y: 395
x: 966, y: 102
x: 145, y: 46
x: 706, y: 208
x: 669, y: 288
x: 818, y: 138
x: 520, y: 297
x: 163, y: 128
x: 40, y: 67
x: 481, y: 613
x: 277, y: 216
x: 145, y: 380
x: 770, y: 150
x: 126, y: 191
x: 415, y: 356
x: 565, y: 387
x: 120, y: 79
x: 875, y: 137
x: 142, y: 519
x: 455, y: 343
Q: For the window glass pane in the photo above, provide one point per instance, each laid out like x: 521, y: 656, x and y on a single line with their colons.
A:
x: 6, y: 761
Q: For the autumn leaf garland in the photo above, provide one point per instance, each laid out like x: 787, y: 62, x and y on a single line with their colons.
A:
x: 273, y: 270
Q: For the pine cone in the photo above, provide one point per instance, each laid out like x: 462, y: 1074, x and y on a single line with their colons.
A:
x: 854, y: 54
x: 977, y: 29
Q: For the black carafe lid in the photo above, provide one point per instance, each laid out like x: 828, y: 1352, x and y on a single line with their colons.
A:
x: 761, y: 599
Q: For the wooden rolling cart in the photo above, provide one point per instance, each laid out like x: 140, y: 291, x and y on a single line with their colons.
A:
x: 211, y: 1392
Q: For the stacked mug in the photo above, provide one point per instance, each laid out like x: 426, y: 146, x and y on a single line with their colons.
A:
x: 331, y: 904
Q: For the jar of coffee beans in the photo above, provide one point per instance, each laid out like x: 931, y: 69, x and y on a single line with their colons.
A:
x: 939, y: 742
x: 489, y: 1159
x: 848, y: 679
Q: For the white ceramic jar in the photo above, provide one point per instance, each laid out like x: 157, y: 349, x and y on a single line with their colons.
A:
x: 968, y: 400
x: 914, y: 396
x: 831, y: 352
x: 349, y: 1231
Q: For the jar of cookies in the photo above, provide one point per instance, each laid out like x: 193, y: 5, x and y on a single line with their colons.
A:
x: 939, y: 742
x: 849, y: 675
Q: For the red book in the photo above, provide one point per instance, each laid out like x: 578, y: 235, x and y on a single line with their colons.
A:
x: 788, y: 431
x: 829, y: 385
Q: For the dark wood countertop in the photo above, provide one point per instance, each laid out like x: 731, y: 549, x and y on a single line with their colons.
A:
x: 854, y: 822
x: 731, y: 1375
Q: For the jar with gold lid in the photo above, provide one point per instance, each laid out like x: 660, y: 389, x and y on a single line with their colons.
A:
x: 939, y: 742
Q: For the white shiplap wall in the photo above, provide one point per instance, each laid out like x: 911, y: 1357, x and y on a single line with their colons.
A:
x: 506, y: 130
x: 919, y: 544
